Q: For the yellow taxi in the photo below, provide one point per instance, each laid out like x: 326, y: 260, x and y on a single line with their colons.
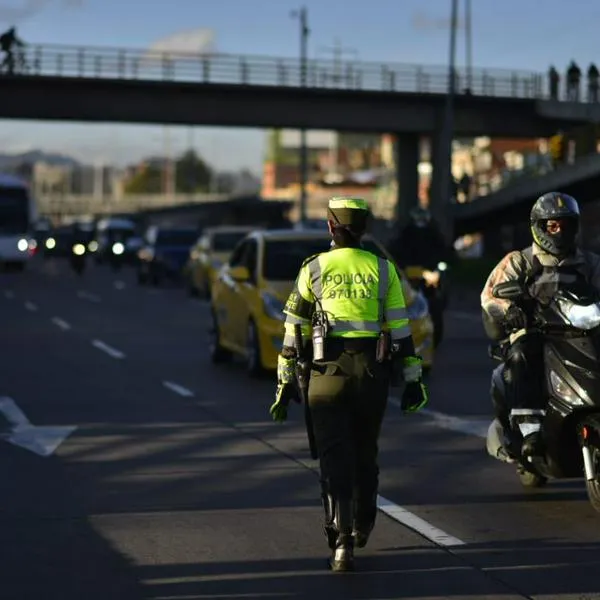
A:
x: 250, y: 291
x: 209, y: 253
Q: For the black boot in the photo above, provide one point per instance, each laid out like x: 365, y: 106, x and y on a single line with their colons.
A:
x: 329, y: 527
x: 533, y: 445
x: 365, y: 513
x: 342, y: 557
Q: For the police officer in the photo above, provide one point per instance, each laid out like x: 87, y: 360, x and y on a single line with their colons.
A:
x: 354, y: 299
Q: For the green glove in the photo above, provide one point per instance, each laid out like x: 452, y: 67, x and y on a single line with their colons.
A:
x: 285, y: 392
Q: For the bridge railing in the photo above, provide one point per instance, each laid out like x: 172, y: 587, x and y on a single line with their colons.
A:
x: 77, y: 204
x: 116, y: 63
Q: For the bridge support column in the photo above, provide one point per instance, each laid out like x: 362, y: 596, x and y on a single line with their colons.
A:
x: 406, y: 158
x: 439, y: 190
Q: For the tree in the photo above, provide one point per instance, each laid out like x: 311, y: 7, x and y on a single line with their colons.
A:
x: 192, y: 174
x: 147, y: 180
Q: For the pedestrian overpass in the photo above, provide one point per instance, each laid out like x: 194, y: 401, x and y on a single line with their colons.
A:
x: 511, y: 204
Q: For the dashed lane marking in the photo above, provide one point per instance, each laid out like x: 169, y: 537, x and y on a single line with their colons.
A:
x: 394, y: 511
x: 88, y: 296
x: 61, y: 323
x: 178, y: 389
x: 477, y: 427
x: 31, y: 306
x: 412, y: 521
x: 113, y: 352
x: 9, y: 294
x: 119, y: 285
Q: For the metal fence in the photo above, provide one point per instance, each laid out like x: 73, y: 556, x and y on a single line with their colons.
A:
x: 116, y: 63
x: 72, y: 204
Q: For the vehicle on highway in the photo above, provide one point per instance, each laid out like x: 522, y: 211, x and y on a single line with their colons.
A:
x: 212, y: 250
x: 78, y: 258
x: 432, y: 280
x: 110, y: 243
x: 311, y: 225
x: 249, y: 293
x: 58, y: 242
x: 164, y: 253
x: 570, y: 428
x: 18, y: 215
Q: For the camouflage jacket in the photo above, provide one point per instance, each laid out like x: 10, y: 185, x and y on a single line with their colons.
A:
x: 516, y: 265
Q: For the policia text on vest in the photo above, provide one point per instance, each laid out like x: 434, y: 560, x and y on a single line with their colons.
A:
x: 348, y: 308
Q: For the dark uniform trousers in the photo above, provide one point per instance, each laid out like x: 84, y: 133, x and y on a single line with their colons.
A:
x: 347, y: 399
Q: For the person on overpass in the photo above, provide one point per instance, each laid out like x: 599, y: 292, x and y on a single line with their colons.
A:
x: 8, y: 41
x: 350, y: 302
x: 553, y: 259
x: 420, y: 242
x: 592, y: 76
x: 553, y: 80
x: 573, y: 82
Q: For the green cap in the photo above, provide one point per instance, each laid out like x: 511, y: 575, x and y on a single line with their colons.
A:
x: 348, y: 202
x: 349, y: 212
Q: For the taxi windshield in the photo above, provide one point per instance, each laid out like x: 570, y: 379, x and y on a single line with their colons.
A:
x: 282, y: 259
x: 225, y: 242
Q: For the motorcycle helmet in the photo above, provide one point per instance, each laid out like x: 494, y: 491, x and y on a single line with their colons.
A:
x: 555, y: 206
x: 420, y: 217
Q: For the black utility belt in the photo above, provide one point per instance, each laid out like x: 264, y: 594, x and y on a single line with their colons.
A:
x: 360, y: 344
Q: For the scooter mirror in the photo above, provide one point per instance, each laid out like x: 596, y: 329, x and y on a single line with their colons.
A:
x: 508, y: 290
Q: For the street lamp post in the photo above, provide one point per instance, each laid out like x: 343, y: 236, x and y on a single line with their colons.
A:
x: 445, y: 156
x: 302, y: 16
x: 468, y: 44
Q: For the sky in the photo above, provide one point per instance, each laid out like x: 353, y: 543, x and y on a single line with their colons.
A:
x: 513, y: 34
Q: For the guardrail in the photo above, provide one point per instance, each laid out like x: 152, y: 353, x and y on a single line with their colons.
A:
x: 70, y: 204
x: 128, y: 64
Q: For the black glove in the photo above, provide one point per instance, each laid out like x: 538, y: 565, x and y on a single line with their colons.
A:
x: 415, y: 396
x: 515, y: 318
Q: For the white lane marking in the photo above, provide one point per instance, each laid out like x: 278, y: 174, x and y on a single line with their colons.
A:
x: 31, y: 306
x: 466, y: 316
x: 9, y: 294
x: 178, y: 389
x: 87, y: 296
x: 154, y: 292
x: 108, y: 349
x: 410, y: 520
x: 477, y: 427
x: 60, y: 323
x: 42, y: 440
x: 119, y: 285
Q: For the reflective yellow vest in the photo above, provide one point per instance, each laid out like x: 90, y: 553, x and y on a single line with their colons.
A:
x: 359, y: 292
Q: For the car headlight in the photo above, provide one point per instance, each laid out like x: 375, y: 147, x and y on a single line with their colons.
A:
x: 581, y: 317
x: 23, y: 245
x: 93, y: 246
x: 118, y: 248
x: 79, y: 249
x: 442, y: 266
x: 273, y: 307
x: 50, y: 243
x: 419, y: 308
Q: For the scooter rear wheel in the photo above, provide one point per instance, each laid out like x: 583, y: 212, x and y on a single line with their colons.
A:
x: 593, y: 487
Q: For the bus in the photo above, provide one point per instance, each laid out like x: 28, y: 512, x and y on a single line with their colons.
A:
x: 18, y: 214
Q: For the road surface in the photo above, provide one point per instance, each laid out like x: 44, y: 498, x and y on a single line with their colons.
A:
x: 171, y: 481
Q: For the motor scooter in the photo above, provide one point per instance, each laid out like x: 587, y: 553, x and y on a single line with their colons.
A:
x: 569, y: 425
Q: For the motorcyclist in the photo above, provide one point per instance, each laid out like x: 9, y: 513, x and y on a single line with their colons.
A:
x: 79, y: 242
x: 553, y: 260
x: 420, y: 242
x: 8, y: 41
